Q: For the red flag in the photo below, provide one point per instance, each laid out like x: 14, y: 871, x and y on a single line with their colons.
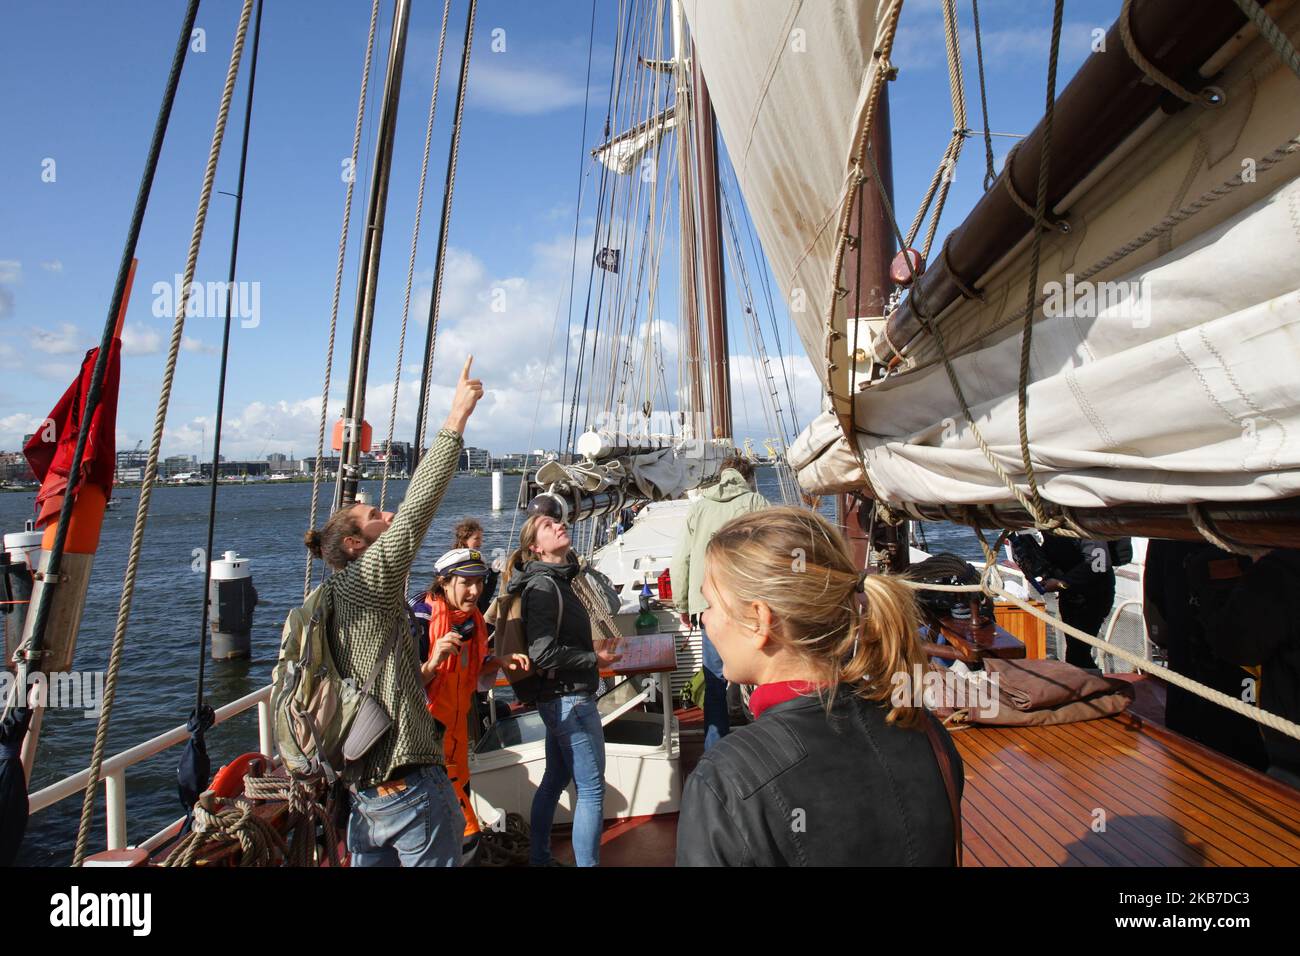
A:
x: 51, y: 460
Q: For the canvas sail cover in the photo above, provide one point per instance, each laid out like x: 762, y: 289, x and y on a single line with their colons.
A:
x: 1176, y: 383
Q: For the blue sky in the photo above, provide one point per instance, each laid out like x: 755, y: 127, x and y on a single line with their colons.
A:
x: 84, y: 80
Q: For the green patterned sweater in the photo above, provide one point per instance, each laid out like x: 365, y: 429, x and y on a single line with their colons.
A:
x: 368, y: 602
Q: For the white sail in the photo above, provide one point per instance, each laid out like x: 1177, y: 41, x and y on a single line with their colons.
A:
x: 786, y: 79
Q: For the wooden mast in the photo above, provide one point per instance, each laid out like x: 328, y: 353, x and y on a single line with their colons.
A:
x: 711, y: 260
x: 867, y: 280
x: 345, y: 490
x: 690, y: 314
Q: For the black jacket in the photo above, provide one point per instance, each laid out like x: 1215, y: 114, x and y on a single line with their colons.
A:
x: 1257, y: 624
x: 1181, y: 598
x: 565, y: 658
x: 797, y: 788
x: 1085, y: 571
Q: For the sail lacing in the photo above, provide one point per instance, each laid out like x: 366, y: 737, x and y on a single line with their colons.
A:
x: 160, y: 419
x: 338, y: 286
x: 1209, y: 97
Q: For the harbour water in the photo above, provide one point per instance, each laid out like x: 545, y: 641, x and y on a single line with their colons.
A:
x: 157, y: 683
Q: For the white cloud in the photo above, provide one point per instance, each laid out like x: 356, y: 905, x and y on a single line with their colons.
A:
x: 62, y: 342
x: 58, y: 371
x: 14, y: 427
x: 52, y: 265
x: 520, y: 90
x: 139, y: 339
x: 192, y: 344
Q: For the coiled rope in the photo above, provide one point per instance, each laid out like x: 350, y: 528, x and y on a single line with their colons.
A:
x: 155, y: 444
x: 218, y: 822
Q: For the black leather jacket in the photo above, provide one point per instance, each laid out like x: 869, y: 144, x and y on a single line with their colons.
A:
x: 798, y: 789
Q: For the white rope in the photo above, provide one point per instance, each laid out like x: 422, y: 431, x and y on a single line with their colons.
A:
x: 155, y: 444
x: 991, y: 584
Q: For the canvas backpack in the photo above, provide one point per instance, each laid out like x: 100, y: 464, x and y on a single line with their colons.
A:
x: 313, y: 706
x: 511, y: 637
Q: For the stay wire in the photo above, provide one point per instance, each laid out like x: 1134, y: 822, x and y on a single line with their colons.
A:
x: 225, y: 358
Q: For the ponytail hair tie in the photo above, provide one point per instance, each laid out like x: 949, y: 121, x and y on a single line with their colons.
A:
x: 861, y: 586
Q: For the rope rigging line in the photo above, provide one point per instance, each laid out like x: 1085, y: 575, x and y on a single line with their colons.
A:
x: 31, y: 651
x: 625, y: 73
x: 151, y: 468
x: 1035, y: 258
x: 770, y: 403
x: 1272, y: 34
x: 577, y: 214
x: 931, y: 325
x: 338, y: 287
x: 225, y: 359
x: 1157, y: 76
x: 415, y: 243
x: 444, y: 230
x: 991, y: 584
x: 989, y: 173
x: 569, y: 438
x: 765, y: 282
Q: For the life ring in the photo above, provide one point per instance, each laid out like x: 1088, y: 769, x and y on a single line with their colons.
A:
x: 229, y: 781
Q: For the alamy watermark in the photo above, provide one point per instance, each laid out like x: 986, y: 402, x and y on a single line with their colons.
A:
x: 1121, y: 300
x: 933, y: 689
x: 71, y: 690
x: 208, y: 300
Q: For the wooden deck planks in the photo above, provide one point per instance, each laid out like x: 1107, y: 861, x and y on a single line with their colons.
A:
x: 1031, y: 793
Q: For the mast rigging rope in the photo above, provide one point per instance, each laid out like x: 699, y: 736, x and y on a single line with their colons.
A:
x: 225, y: 359
x: 338, y: 286
x: 415, y: 243
x: 444, y: 227
x: 160, y: 419
x: 40, y: 612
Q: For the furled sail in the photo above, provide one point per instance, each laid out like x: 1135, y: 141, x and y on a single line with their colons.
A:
x: 1163, y: 367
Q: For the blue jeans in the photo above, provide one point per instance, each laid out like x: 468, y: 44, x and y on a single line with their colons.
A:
x: 420, y: 826
x: 575, y: 751
x: 716, y: 720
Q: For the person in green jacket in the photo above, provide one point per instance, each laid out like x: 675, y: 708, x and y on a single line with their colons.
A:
x: 732, y: 496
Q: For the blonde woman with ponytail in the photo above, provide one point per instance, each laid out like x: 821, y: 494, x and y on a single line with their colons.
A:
x: 838, y: 768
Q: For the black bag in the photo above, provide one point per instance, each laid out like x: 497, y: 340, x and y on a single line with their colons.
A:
x: 1121, y: 552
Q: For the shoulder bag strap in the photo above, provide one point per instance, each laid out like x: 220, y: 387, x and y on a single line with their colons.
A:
x: 383, y: 656
x: 949, y: 784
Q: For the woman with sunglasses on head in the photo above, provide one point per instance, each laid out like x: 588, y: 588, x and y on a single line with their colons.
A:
x: 838, y: 769
x: 558, y: 631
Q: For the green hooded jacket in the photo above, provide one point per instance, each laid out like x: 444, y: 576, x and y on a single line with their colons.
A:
x: 730, y: 498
